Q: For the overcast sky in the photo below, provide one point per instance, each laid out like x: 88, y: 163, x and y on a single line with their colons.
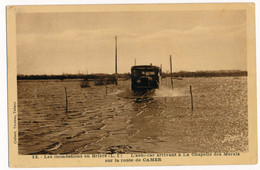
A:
x: 57, y: 43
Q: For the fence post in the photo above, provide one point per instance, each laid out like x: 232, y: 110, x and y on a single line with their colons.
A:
x: 66, y: 100
x: 191, y: 97
x: 171, y: 70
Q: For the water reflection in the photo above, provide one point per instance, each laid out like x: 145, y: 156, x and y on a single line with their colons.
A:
x: 145, y: 130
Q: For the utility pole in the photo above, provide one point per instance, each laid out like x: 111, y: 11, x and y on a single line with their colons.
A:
x: 135, y: 61
x: 161, y: 74
x: 116, y: 58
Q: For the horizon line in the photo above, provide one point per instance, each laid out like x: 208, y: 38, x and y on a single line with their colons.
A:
x: 236, y: 70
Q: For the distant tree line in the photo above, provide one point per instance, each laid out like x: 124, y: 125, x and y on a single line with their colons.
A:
x: 126, y: 76
x: 220, y: 73
x: 73, y: 76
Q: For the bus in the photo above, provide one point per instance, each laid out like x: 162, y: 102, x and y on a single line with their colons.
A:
x: 145, y: 77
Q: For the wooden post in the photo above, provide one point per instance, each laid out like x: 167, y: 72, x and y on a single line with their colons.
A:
x: 66, y: 100
x: 191, y: 98
x: 161, y: 74
x: 171, y: 70
x: 135, y: 61
x: 116, y: 58
x: 106, y: 89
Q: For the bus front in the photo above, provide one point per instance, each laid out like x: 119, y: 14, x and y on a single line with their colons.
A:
x: 145, y: 77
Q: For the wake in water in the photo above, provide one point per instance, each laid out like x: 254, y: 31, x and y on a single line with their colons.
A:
x: 162, y: 92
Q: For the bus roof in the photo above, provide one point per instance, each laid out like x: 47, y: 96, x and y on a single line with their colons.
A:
x: 144, y: 67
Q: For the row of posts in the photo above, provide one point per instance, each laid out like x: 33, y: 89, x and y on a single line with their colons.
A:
x: 135, y: 64
x: 106, y: 94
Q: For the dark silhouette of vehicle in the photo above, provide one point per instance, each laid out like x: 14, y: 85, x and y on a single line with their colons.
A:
x: 145, y: 77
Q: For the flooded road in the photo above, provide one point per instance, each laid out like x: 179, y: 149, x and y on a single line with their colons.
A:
x: 115, y: 120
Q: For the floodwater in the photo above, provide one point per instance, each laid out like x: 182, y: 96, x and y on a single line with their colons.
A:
x: 113, y: 119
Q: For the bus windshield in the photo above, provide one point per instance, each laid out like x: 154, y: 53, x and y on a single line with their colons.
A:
x: 138, y: 73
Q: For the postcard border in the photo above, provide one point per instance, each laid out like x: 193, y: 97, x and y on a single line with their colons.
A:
x: 16, y: 160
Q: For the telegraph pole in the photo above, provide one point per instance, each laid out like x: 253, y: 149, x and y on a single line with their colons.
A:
x: 116, y: 58
x: 161, y: 73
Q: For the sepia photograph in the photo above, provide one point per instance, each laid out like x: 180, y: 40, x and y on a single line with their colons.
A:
x: 134, y: 80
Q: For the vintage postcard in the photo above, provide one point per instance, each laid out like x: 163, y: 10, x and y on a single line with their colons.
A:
x: 132, y: 85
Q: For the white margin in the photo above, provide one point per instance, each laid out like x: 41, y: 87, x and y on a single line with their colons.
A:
x: 3, y: 75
